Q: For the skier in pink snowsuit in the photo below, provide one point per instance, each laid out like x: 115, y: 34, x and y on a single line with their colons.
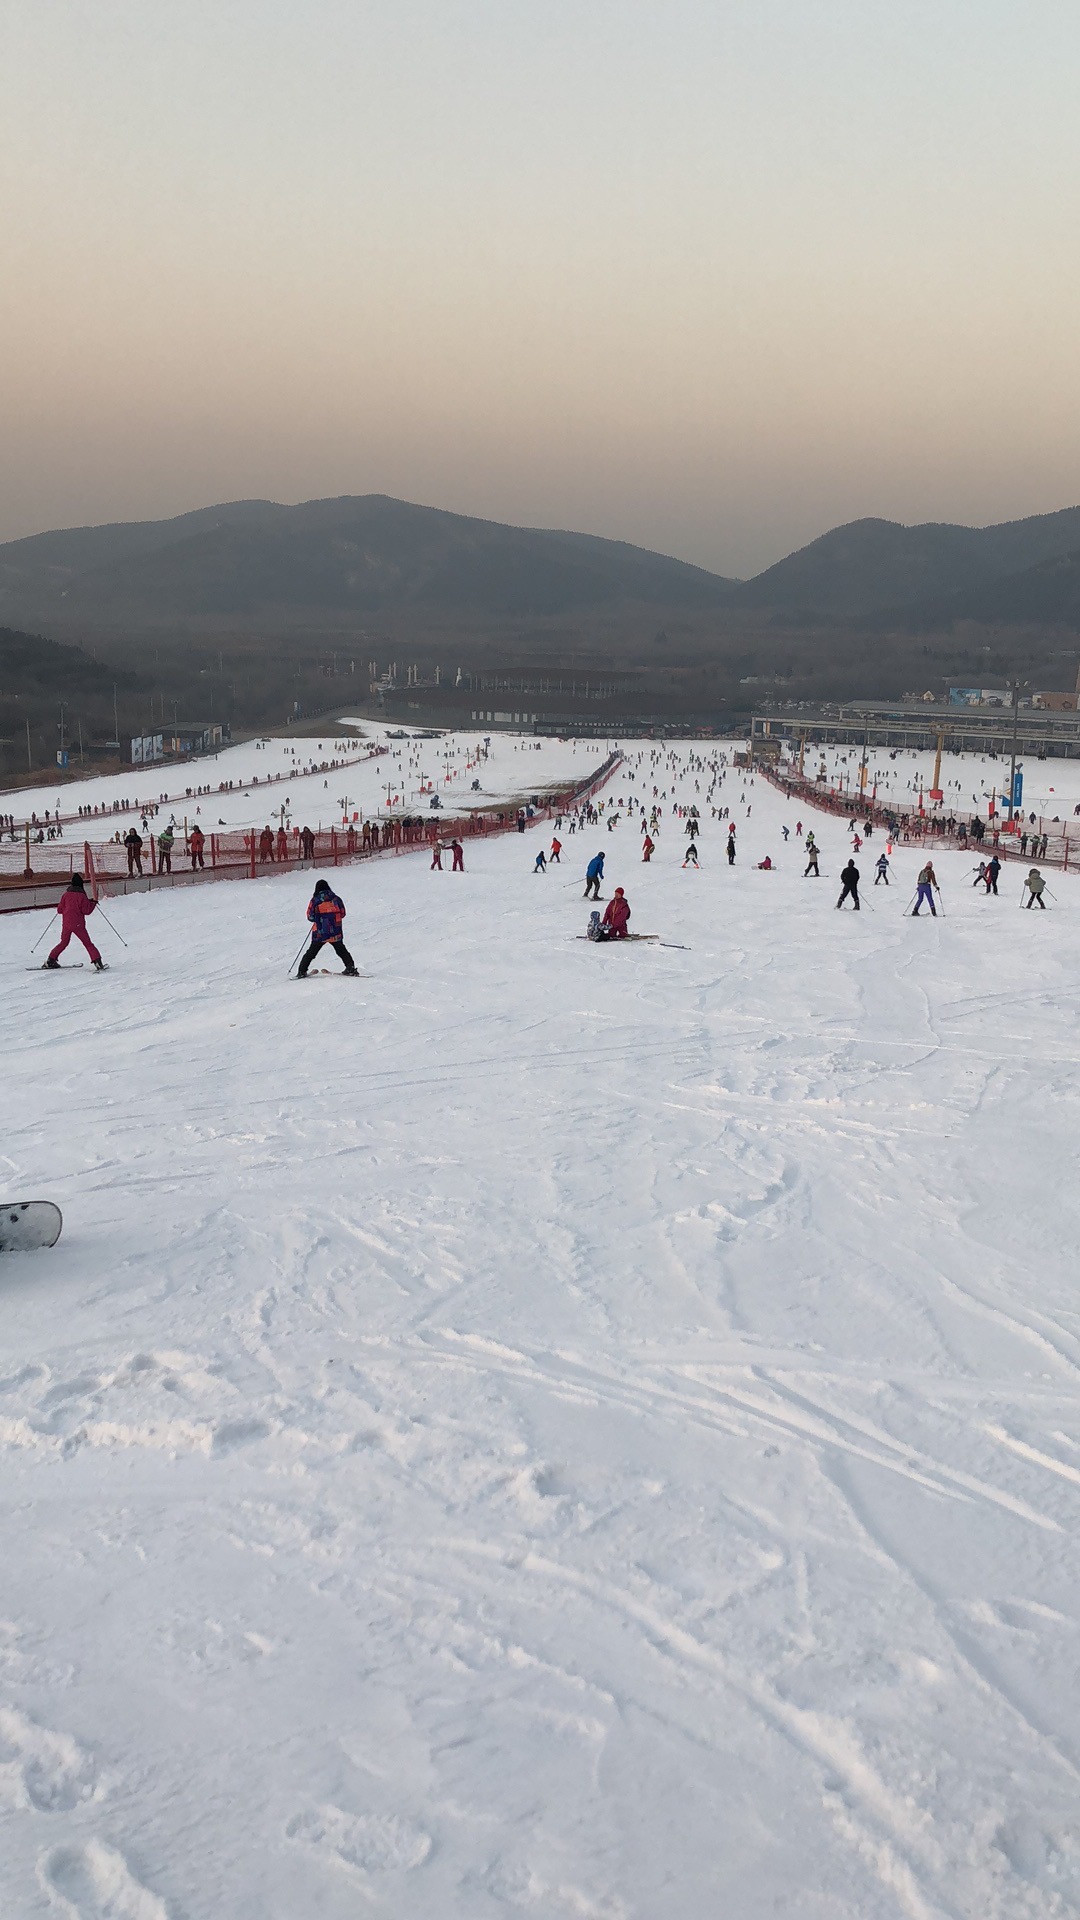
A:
x: 75, y: 910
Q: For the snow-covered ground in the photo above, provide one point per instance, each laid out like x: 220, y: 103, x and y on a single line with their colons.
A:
x: 397, y: 781
x: 547, y: 1429
x: 968, y: 781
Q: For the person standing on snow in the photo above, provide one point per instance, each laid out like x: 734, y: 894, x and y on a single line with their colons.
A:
x: 594, y: 873
x: 691, y: 855
x: 458, y: 852
x: 926, y: 883
x: 731, y: 849
x: 556, y: 849
x: 326, y: 913
x: 134, y: 845
x: 75, y: 910
x: 812, y: 858
x: 1034, y: 884
x: 617, y: 916
x: 882, y: 870
x: 196, y: 843
x: 648, y: 848
x: 164, y: 848
x: 993, y: 868
x: 850, y: 888
x: 541, y: 863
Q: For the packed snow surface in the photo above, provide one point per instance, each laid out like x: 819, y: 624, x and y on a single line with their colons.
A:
x: 547, y: 1429
x: 261, y: 776
x: 969, y: 781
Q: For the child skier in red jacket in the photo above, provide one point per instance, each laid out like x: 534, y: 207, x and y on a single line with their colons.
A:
x: 617, y: 915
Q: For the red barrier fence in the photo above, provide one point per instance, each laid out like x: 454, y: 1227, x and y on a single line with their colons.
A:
x: 1045, y: 842
x: 244, y: 855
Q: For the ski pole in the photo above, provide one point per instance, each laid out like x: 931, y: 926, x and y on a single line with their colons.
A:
x: 110, y: 926
x: 911, y: 902
x: 296, y: 956
x: 43, y: 932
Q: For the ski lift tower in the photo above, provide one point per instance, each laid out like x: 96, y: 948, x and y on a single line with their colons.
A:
x: 937, y: 793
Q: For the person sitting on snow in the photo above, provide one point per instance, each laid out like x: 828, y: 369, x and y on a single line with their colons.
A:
x: 616, y: 915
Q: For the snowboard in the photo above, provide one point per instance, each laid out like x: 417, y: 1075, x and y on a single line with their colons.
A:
x: 25, y: 1224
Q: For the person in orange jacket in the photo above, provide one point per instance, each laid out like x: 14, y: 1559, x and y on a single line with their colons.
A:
x: 556, y: 849
x: 196, y: 843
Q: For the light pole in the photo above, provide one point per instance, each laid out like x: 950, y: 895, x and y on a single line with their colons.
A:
x: 1012, y: 764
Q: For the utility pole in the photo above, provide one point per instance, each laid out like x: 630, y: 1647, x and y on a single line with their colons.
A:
x: 1012, y: 763
x: 29, y: 755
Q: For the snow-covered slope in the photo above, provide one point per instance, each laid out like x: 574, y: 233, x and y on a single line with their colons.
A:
x: 546, y: 1429
x: 263, y: 774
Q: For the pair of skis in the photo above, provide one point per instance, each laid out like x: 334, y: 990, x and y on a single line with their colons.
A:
x: 651, y: 938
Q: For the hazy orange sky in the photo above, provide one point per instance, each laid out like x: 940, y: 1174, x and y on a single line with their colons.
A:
x: 708, y: 277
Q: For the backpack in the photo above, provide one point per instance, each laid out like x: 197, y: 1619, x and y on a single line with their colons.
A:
x: 593, y: 932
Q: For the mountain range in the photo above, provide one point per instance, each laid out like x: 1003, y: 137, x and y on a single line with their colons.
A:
x: 369, y: 557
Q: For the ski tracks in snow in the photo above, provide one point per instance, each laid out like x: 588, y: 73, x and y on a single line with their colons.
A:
x: 563, y: 1433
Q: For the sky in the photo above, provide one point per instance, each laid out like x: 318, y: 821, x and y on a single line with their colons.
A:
x: 707, y: 275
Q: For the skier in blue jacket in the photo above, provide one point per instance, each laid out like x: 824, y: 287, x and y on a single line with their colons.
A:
x: 326, y: 913
x: 594, y: 873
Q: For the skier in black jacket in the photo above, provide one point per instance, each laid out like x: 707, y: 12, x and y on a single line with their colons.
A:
x: 850, y: 878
